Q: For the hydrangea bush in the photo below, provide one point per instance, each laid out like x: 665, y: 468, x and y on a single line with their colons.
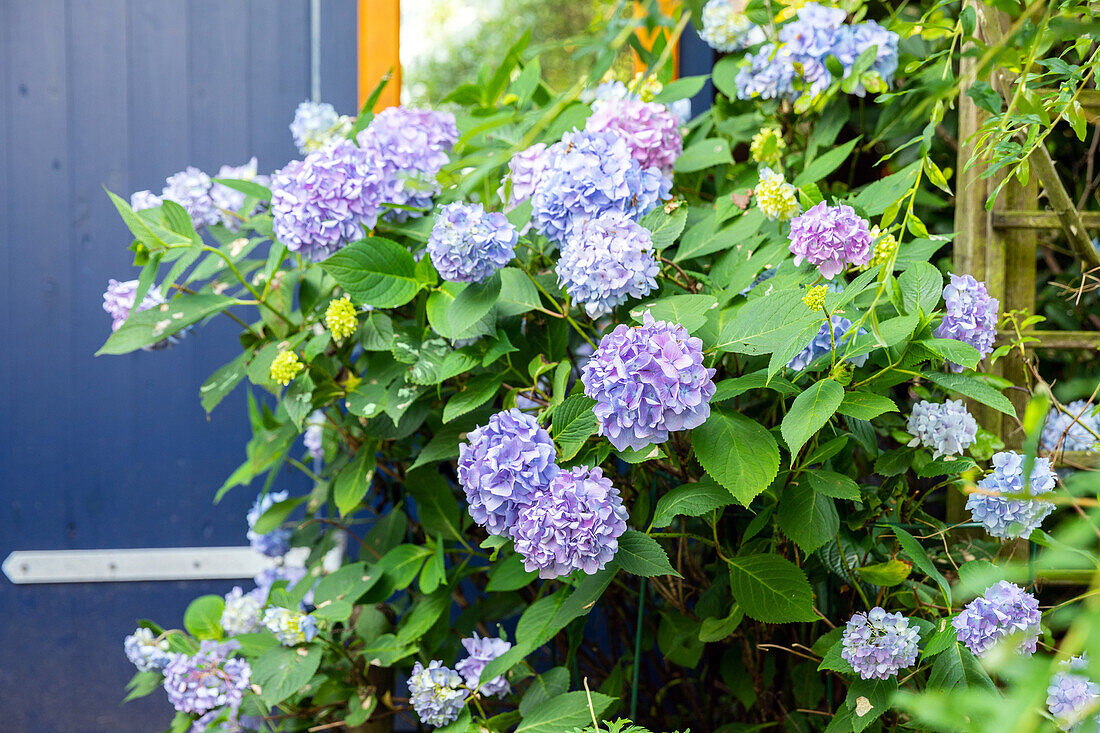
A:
x: 565, y: 409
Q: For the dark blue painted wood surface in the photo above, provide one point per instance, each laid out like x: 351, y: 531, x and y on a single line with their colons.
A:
x: 116, y: 451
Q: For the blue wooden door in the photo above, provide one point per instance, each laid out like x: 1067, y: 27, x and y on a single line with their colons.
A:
x: 116, y: 452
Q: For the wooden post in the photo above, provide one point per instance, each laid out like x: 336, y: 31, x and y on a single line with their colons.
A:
x: 379, y: 50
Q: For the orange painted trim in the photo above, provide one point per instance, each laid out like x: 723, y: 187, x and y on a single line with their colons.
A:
x: 647, y: 37
x: 380, y: 50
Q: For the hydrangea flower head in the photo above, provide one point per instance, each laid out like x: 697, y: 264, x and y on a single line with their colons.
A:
x: 592, y: 173
x: 830, y: 238
x: 575, y: 525
x: 648, y: 381
x: 290, y: 627
x: 118, y: 300
x: 190, y: 188
x: 275, y: 543
x: 777, y: 199
x: 947, y: 428
x: 1071, y: 693
x: 435, y: 693
x: 140, y: 200
x: 286, y: 367
x: 316, y: 124
x: 207, y: 679
x: 823, y: 343
x: 228, y: 200
x: 726, y: 28
x: 314, y: 435
x: 503, y: 465
x: 524, y: 171
x: 1075, y: 429
x: 768, y: 74
x: 607, y: 261
x: 1012, y: 518
x: 767, y: 147
x: 292, y: 574
x: 971, y: 315
x: 814, y: 31
x: 651, y: 131
x: 147, y: 652
x: 878, y: 644
x: 853, y: 40
x: 468, y: 244
x: 341, y: 317
x: 242, y: 611
x: 480, y: 651
x: 1005, y: 609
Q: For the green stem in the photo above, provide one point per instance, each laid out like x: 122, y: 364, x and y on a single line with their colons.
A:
x: 636, y: 672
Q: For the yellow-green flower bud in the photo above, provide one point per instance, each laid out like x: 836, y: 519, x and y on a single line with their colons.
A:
x: 767, y: 147
x: 285, y: 367
x: 341, y: 317
x: 815, y: 297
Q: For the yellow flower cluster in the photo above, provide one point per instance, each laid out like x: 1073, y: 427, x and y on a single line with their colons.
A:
x: 646, y: 90
x: 777, y: 199
x: 767, y: 146
x: 815, y: 297
x: 285, y: 367
x: 341, y: 318
x: 885, y: 247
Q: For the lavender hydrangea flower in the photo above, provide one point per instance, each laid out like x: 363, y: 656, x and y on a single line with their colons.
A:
x: 971, y: 315
x: 1071, y: 694
x: 823, y: 342
x: 607, y: 261
x: 525, y: 169
x: 726, y: 28
x: 275, y: 543
x: 242, y: 611
x: 853, y: 40
x: 651, y: 131
x: 290, y: 627
x: 321, y: 203
x: 831, y: 238
x: 190, y: 188
x: 292, y: 574
x: 140, y: 200
x: 878, y: 644
x: 1012, y: 518
x: 480, y: 651
x: 207, y: 679
x: 589, y: 174
x: 947, y: 428
x: 435, y: 693
x: 315, y: 434
x: 118, y: 300
x: 502, y: 466
x: 147, y: 652
x: 768, y: 74
x: 316, y: 124
x: 469, y: 244
x: 814, y: 31
x: 1076, y: 430
x: 575, y: 525
x: 1005, y: 609
x: 229, y: 201
x: 648, y: 381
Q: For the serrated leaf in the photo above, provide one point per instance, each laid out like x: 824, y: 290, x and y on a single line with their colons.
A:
x: 283, y: 671
x: 664, y: 228
x: 639, y: 554
x: 517, y: 293
x: 375, y: 271
x: 510, y: 575
x: 353, y: 481
x: 974, y: 389
x: 691, y: 500
x: 147, y: 327
x: 809, y: 412
x: 739, y: 453
x: 808, y: 518
x: 572, y: 424
x: 436, y: 505
x: 707, y: 237
x: 764, y: 324
x: 920, y: 558
x: 474, y: 394
x: 771, y: 589
x: 886, y: 574
x: 704, y: 154
x: 223, y: 381
x: 921, y: 286
x: 825, y: 163
x: 865, y: 405
x: 473, y: 303
x: 564, y: 713
x: 956, y: 352
x: 690, y: 311
x: 831, y: 483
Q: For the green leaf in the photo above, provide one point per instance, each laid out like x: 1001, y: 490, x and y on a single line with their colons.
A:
x: 367, y: 400
x: 142, y: 684
x: 517, y: 293
x: 920, y: 558
x: 729, y: 388
x: 809, y: 412
x: 690, y: 311
x: 825, y: 164
x: 572, y: 424
x: 876, y: 694
x: 683, y: 88
x: 771, y: 589
x: 203, y: 617
x: 375, y: 271
x: 348, y: 584
x: 473, y: 303
x: 639, y: 554
x: 223, y: 381
x: 353, y: 481
x: 955, y: 667
x: 921, y: 286
x: 276, y: 514
x: 716, y: 629
x: 876, y: 197
x: 510, y: 575
x: 476, y: 393
x: 248, y: 188
x: 665, y: 228
x: 958, y: 352
x: 436, y: 505
x: 973, y: 388
x: 564, y: 713
x: 150, y: 326
x: 836, y: 485
x: 551, y: 683
x: 403, y: 563
x: 885, y: 574
x: 724, y: 75
x: 764, y: 324
x: 284, y: 671
x: 808, y: 518
x: 738, y: 452
x: 865, y: 405
x: 424, y: 615
x: 704, y: 154
x: 705, y: 237
x: 691, y: 500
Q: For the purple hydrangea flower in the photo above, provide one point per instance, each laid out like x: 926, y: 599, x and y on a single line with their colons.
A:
x: 1004, y: 610
x: 575, y: 525
x: 589, y: 174
x: 435, y: 693
x: 947, y: 428
x: 607, y: 261
x: 971, y: 315
x: 190, y: 188
x: 292, y: 574
x: 525, y: 169
x: 316, y: 124
x: 814, y: 31
x: 769, y: 74
x: 1071, y: 694
x: 469, y: 244
x: 315, y: 434
x: 651, y: 131
x: 140, y: 200
x: 855, y: 39
x: 321, y: 203
x: 1076, y: 430
x: 831, y: 238
x: 726, y: 28
x: 502, y: 466
x: 147, y: 652
x: 822, y: 344
x: 648, y: 381
x: 229, y: 201
x: 877, y: 644
x: 207, y: 679
x: 290, y: 627
x: 242, y: 611
x: 1012, y: 518
x: 275, y: 543
x: 480, y: 651
x: 118, y: 300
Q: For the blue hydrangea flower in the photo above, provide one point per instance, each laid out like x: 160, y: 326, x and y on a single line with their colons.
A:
x: 822, y: 344
x: 316, y: 124
x: 814, y: 31
x: 589, y: 174
x: 502, y: 466
x: 140, y: 200
x: 1071, y: 694
x: 853, y: 40
x: 290, y: 627
x: 469, y: 244
x: 207, y: 679
x: 648, y: 381
x: 435, y: 693
x: 971, y: 315
x: 190, y: 188
x: 1012, y: 518
x: 480, y: 651
x: 575, y: 525
x: 726, y: 28
x: 315, y: 434
x: 947, y: 428
x: 292, y: 574
x: 242, y: 611
x: 118, y: 302
x: 877, y: 644
x: 1076, y: 430
x: 768, y: 74
x: 607, y: 261
x: 229, y: 201
x: 275, y: 543
x: 148, y: 652
x: 525, y: 169
x: 1005, y: 609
